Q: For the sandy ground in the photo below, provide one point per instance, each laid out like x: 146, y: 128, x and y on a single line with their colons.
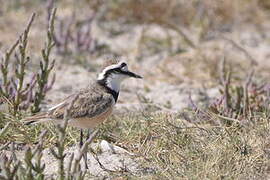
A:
x: 168, y: 80
x: 167, y: 92
x: 112, y: 158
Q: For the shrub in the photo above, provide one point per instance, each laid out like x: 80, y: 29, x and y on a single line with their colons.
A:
x: 14, y: 88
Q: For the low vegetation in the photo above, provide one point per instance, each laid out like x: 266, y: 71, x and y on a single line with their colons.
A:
x: 224, y: 139
x: 171, y: 146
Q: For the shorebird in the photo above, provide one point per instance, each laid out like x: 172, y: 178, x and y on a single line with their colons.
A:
x: 93, y: 104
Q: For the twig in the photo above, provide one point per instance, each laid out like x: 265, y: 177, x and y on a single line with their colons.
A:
x: 4, y: 69
x: 82, y: 151
x: 225, y: 78
x: 22, y: 61
x: 246, y: 96
x: 227, y: 118
x: 252, y: 60
x: 5, y: 129
x: 179, y: 31
x: 192, y: 104
x: 191, y: 127
x: 106, y: 169
x: 60, y: 155
x: 2, y: 147
x: 45, y: 66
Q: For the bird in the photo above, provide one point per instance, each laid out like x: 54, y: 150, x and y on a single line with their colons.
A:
x: 92, y: 105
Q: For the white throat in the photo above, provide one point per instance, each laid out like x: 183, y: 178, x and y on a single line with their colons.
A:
x: 114, y: 82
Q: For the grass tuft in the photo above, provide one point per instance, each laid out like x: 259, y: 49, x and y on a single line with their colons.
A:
x: 173, y: 147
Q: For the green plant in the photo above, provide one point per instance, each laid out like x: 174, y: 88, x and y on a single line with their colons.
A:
x: 240, y: 101
x: 45, y: 67
x: 74, y: 36
x: 30, y: 168
x: 31, y: 165
x: 14, y: 90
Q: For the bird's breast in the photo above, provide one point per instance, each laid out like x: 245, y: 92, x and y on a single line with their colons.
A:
x: 90, y: 123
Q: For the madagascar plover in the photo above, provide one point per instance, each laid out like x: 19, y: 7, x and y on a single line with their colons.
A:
x: 93, y: 104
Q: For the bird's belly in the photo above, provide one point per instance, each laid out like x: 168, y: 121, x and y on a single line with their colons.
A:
x: 90, y: 123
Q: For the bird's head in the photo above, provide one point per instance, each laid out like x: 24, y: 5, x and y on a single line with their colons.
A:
x: 113, y: 75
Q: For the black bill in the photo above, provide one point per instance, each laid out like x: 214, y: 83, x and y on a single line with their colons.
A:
x: 131, y: 74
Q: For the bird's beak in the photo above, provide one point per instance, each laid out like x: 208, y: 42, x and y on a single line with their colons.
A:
x: 131, y: 74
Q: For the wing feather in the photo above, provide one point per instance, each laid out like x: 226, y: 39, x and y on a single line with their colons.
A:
x: 87, y: 104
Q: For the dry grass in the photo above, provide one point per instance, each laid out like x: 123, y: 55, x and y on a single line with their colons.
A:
x: 174, y: 147
x: 168, y: 146
x: 188, y: 145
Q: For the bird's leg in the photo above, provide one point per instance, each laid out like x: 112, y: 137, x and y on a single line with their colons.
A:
x: 81, y: 138
x: 81, y: 144
x: 84, y: 154
x: 88, y: 133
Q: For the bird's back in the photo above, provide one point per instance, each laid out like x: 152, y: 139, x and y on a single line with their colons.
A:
x: 88, y: 107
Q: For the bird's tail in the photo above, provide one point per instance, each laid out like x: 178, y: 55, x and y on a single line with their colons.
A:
x: 38, y: 118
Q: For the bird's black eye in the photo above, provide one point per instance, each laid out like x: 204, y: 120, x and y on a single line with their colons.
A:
x: 123, y: 64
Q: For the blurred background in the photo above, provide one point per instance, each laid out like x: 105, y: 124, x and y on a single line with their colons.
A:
x: 182, y: 48
x: 176, y: 45
x: 205, y: 63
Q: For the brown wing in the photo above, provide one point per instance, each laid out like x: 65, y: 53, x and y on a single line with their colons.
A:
x: 89, y: 103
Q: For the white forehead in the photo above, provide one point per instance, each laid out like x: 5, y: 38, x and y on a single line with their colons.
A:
x: 118, y: 65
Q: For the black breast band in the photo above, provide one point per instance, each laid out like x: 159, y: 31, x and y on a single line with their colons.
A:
x: 109, y: 90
